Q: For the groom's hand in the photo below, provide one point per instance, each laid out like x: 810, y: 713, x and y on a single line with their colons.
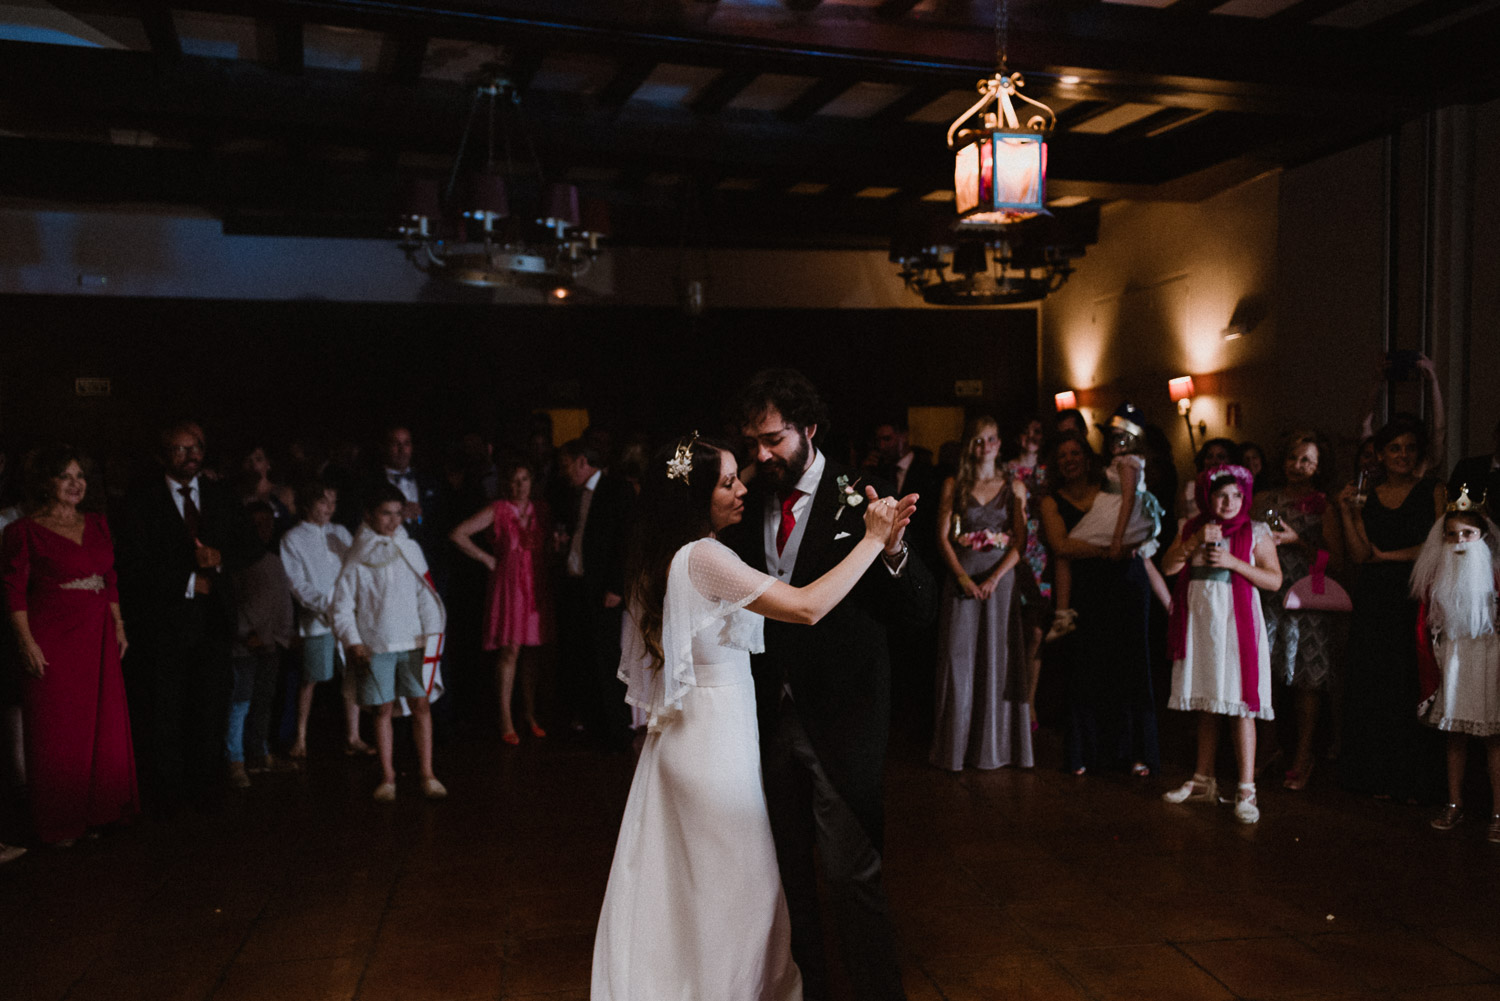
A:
x: 905, y: 508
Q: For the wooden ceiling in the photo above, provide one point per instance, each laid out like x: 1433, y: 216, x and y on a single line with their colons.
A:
x: 744, y: 122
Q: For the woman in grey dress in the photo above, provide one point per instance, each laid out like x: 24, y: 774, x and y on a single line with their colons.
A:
x: 1303, y: 643
x: 982, y: 717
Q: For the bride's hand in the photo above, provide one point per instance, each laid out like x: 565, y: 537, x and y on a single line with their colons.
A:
x: 880, y: 516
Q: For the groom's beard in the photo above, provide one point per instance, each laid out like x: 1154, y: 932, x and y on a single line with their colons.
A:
x: 1462, y: 605
x: 783, y: 474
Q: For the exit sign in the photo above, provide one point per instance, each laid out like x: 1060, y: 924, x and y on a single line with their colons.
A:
x: 91, y: 387
x: 968, y: 388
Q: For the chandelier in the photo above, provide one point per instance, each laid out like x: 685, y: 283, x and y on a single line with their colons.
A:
x: 466, y: 232
x: 1023, y: 262
x: 1005, y: 247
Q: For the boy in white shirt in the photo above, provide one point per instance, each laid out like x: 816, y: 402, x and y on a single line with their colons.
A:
x: 384, y: 608
x: 312, y: 552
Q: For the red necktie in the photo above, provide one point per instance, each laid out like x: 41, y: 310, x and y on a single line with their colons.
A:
x: 788, y: 521
x: 189, y: 512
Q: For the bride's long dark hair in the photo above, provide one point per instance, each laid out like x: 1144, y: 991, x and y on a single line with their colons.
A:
x: 671, y: 513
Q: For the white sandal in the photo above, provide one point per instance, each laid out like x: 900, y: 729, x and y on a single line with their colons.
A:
x: 1245, y: 810
x: 1198, y: 789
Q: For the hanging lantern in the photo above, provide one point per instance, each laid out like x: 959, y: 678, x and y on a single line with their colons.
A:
x: 1000, y: 168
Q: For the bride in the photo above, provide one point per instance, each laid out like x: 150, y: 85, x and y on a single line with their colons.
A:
x: 694, y: 908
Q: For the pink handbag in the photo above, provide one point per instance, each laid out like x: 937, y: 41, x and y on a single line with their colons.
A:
x: 1316, y: 592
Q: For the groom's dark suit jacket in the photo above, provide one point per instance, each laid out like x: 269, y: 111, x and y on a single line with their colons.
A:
x: 840, y: 669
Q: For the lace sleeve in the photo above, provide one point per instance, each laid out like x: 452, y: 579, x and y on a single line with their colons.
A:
x: 719, y: 575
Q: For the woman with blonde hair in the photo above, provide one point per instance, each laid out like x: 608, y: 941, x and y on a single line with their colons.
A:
x: 982, y: 718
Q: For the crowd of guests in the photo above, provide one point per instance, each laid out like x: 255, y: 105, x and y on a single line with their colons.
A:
x: 180, y: 626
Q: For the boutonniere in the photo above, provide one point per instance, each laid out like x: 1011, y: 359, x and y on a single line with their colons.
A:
x: 848, y: 495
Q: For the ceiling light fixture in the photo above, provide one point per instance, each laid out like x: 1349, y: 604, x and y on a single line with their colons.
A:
x: 1005, y: 247
x: 467, y: 233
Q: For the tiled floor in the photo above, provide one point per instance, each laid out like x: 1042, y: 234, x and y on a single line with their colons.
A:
x: 1005, y: 885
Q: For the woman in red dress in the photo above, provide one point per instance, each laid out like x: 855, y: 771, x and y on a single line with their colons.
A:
x: 59, y: 572
x: 517, y: 610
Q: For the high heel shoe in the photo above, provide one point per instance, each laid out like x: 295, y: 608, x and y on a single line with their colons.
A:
x: 537, y: 731
x: 1198, y: 789
x: 511, y: 738
x: 1297, y: 779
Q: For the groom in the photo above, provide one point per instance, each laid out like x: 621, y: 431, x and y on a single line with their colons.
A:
x: 823, y: 692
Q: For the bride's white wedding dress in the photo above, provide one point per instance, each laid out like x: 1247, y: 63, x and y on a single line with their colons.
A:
x: 694, y: 909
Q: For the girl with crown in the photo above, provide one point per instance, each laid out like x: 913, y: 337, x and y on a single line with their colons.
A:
x: 1458, y: 652
x: 1217, y: 633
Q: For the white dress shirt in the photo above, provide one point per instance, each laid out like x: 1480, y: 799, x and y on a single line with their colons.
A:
x: 780, y: 565
x: 313, y: 555
x: 575, y: 548
x: 404, y: 480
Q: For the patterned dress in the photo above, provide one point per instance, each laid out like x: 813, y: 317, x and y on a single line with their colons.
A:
x: 1303, y: 643
x: 1035, y: 556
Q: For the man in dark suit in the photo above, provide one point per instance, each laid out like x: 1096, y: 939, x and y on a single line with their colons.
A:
x: 823, y: 691
x: 182, y: 537
x: 1481, y: 474
x: 910, y: 471
x: 422, y: 515
x: 594, y: 589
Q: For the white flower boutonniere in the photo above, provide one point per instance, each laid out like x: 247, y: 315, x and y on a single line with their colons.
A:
x: 848, y: 495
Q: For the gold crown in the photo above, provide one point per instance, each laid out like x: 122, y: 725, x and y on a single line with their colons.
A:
x: 680, y: 466
x: 1463, y: 503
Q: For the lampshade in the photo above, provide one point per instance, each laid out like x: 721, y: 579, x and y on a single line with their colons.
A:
x: 1066, y: 400
x: 1000, y: 177
x: 1181, y: 388
x: 560, y: 205
x: 484, y: 194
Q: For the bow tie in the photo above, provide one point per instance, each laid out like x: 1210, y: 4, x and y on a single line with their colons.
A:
x: 400, y: 477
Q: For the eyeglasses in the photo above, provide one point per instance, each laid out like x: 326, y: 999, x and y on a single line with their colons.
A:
x: 1462, y: 534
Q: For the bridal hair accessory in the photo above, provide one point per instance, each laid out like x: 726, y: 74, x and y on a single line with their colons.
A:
x: 680, y: 466
x: 1463, y: 503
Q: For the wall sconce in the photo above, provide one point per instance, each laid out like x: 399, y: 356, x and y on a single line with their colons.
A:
x: 1182, y: 392
x: 1234, y: 331
x: 1066, y: 400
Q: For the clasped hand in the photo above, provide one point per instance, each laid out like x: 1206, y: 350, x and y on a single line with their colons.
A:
x: 886, y: 518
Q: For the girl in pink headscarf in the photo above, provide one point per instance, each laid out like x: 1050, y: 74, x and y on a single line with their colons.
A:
x: 1216, y: 634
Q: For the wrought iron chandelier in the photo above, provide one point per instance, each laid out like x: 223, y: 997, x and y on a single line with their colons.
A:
x: 467, y: 233
x: 1002, y: 248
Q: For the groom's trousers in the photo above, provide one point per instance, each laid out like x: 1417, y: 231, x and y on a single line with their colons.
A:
x: 807, y: 812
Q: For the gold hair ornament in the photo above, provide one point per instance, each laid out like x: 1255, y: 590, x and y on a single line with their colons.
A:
x: 680, y: 466
x: 1463, y: 503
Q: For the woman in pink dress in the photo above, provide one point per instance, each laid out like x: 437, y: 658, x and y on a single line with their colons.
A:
x: 59, y: 572
x: 517, y: 611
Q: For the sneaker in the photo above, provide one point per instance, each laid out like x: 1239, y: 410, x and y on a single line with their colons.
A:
x: 385, y: 792
x: 1448, y: 817
x: 1245, y: 810
x: 433, y: 789
x: 1198, y: 789
x: 239, y: 778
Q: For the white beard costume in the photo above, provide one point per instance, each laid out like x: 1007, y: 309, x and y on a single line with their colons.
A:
x: 1457, y: 582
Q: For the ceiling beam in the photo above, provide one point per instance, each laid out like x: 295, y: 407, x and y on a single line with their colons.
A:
x: 290, y: 55
x: 161, y: 31
x: 815, y: 97
x: 908, y: 104
x: 411, y: 55
x: 629, y: 76
x: 721, y: 90
x: 1113, y: 44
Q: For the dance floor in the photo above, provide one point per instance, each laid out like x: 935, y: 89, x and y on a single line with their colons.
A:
x: 1026, y: 885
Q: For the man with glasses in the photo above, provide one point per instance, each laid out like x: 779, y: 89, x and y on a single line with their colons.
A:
x: 181, y: 536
